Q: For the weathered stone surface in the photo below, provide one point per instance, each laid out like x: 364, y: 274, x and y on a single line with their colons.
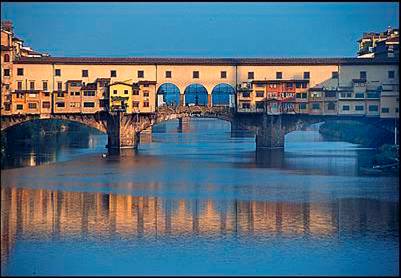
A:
x: 123, y: 129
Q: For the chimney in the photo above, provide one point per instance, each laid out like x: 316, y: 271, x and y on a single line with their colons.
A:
x: 7, y: 25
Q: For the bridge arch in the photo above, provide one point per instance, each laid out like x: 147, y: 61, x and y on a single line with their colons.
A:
x: 195, y: 94
x: 222, y: 95
x: 91, y: 120
x: 169, y: 94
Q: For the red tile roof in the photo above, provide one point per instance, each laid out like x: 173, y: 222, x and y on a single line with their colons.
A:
x: 144, y: 82
x: 89, y: 86
x: 280, y: 81
x: 120, y: 82
x: 17, y: 39
x: 394, y: 39
x: 201, y: 61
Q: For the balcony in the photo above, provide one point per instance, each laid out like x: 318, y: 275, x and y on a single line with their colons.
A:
x: 390, y: 87
x: 330, y: 94
x: 373, y: 95
x: 244, y: 87
x: 345, y: 95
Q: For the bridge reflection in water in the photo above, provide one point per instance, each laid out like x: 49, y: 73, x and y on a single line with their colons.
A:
x: 46, y: 214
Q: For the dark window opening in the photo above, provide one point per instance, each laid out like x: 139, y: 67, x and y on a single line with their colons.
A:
x: 331, y: 106
x: 89, y: 104
x: 330, y: 94
x: 32, y: 105
x: 246, y: 105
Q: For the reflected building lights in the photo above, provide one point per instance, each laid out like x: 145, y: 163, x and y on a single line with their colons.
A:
x: 46, y: 214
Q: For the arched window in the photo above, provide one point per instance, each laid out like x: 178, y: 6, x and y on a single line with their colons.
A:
x: 170, y: 94
x: 221, y: 95
x: 6, y: 58
x: 195, y: 94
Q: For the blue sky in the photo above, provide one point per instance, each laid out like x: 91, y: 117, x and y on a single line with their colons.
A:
x: 198, y: 29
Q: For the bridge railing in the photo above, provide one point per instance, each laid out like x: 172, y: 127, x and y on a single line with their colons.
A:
x: 194, y: 109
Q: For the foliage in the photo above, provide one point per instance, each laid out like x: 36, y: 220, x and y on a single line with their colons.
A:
x: 356, y: 132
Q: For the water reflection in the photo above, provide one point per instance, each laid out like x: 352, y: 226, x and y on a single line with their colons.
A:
x: 48, y: 215
x: 50, y: 149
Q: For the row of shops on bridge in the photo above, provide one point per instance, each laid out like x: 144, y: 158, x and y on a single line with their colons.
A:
x: 35, y: 83
x: 255, y: 96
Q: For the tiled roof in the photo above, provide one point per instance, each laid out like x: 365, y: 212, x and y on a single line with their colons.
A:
x: 394, y: 39
x: 147, y: 82
x: 17, y: 39
x: 201, y: 61
x: 279, y: 81
x: 89, y: 86
x: 120, y: 82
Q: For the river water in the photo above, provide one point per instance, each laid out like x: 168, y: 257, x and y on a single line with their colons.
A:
x: 196, y: 200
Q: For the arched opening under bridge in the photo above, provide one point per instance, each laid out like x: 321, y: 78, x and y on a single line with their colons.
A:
x: 195, y: 94
x: 168, y: 94
x: 40, y: 141
x: 223, y: 95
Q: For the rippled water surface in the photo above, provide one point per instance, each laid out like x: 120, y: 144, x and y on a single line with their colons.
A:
x: 197, y: 200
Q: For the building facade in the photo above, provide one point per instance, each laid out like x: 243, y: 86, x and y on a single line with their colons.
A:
x: 379, y: 45
x: 39, y: 84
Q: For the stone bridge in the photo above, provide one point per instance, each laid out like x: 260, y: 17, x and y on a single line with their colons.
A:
x: 123, y: 129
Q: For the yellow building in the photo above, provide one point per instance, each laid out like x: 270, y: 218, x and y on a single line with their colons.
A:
x: 120, y: 96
